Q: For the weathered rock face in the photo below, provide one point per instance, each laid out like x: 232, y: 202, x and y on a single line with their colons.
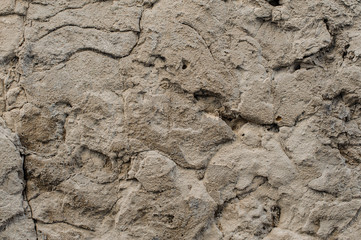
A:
x: 15, y: 214
x: 180, y: 119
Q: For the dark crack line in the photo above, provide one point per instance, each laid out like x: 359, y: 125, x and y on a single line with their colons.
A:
x: 70, y: 224
x: 151, y: 4
x: 323, y: 192
x: 11, y: 14
x: 82, y: 27
x: 110, y: 55
x: 63, y: 10
x: 22, y: 150
x: 94, y: 50
x: 204, y: 41
x: 138, y: 34
x: 25, y: 196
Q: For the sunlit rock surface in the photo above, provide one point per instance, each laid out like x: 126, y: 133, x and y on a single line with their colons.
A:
x: 180, y: 119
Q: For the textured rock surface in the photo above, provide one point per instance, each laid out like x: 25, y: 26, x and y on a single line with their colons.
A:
x: 15, y: 215
x: 180, y: 119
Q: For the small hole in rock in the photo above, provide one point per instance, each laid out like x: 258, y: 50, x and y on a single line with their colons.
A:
x: 297, y: 67
x: 344, y: 53
x: 326, y: 23
x: 274, y: 2
x: 242, y: 134
x: 278, y: 118
x: 185, y: 64
x: 273, y: 128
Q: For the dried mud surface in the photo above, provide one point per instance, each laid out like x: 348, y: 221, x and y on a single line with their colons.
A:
x: 180, y: 119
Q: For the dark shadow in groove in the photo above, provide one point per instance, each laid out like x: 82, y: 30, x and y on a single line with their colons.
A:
x: 274, y: 2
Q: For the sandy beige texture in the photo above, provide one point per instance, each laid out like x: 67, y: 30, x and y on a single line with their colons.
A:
x: 180, y: 119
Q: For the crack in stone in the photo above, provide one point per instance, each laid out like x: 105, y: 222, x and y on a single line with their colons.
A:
x: 83, y: 27
x: 26, y: 196
x: 204, y: 41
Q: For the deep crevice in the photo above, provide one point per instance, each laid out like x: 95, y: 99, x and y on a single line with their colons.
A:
x: 273, y: 128
x: 205, y: 94
x: 297, y: 66
x: 150, y: 4
x: 345, y: 52
x: 219, y: 210
x: 274, y: 3
x: 25, y: 196
x: 213, y: 103
x: 233, y: 120
x: 276, y: 215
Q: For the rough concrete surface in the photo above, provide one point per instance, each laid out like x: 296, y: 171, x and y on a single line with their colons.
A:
x: 180, y: 119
